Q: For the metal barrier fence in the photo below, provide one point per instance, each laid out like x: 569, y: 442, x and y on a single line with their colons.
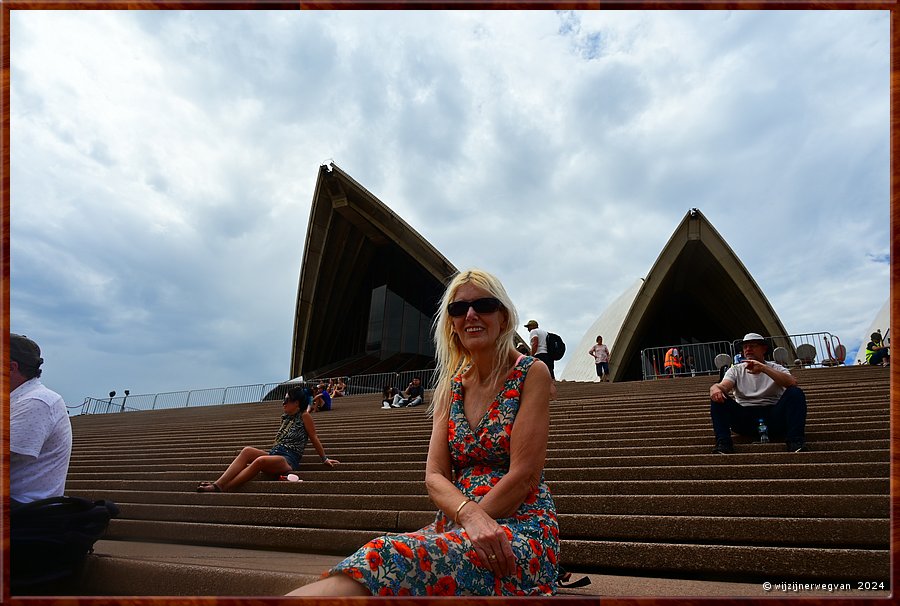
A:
x: 260, y: 392
x: 811, y: 350
x: 180, y: 399
x: 696, y: 359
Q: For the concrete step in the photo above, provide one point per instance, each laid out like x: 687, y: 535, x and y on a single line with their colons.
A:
x: 778, y: 486
x: 711, y: 468
x: 124, y: 568
x: 725, y: 529
x: 760, y: 453
x: 800, y: 505
x: 751, y: 564
x: 724, y: 560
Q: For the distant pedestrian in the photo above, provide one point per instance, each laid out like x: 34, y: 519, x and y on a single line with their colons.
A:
x: 321, y: 398
x: 672, y: 362
x: 387, y: 396
x: 877, y: 353
x: 413, y: 396
x: 600, y: 353
x: 538, y: 338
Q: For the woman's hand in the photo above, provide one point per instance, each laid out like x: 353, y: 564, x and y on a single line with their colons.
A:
x: 331, y: 462
x: 489, y: 539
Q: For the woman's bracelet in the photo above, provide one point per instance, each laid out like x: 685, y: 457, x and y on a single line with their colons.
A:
x: 458, y: 509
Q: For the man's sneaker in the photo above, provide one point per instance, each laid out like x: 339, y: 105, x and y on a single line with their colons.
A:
x: 796, y: 447
x: 723, y: 447
x: 385, y: 406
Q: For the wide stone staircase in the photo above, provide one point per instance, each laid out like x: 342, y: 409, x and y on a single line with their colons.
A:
x: 637, y: 491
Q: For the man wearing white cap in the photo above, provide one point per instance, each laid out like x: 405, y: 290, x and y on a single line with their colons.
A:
x: 756, y: 389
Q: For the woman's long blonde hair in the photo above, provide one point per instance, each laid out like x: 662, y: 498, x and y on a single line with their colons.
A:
x: 451, y: 357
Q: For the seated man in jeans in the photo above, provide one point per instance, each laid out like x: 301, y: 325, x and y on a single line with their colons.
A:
x: 759, y: 390
x: 413, y: 396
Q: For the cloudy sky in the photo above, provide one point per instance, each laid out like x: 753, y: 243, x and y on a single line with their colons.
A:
x: 163, y: 166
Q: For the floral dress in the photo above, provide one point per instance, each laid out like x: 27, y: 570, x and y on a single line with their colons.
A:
x: 440, y: 559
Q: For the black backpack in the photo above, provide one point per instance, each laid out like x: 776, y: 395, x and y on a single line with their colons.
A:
x: 50, y: 538
x: 556, y: 349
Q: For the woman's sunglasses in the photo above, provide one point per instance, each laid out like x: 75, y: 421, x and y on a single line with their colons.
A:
x: 487, y: 305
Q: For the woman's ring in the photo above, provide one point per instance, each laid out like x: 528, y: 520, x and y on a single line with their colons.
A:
x: 492, y: 557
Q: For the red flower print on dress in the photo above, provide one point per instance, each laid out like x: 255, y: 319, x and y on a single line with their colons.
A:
x: 403, y: 549
x: 374, y: 560
x: 509, y: 394
x: 442, y: 544
x: 480, y: 491
x: 443, y: 586
x: 385, y: 591
x: 423, y: 555
x: 551, y: 555
x: 533, y: 566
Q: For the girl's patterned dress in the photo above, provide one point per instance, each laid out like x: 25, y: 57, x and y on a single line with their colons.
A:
x: 439, y: 559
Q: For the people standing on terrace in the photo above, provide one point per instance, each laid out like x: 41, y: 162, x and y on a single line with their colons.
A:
x: 496, y: 532
x: 756, y: 389
x: 297, y: 428
x: 600, y: 353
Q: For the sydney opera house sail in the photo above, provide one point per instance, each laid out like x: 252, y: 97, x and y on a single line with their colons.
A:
x: 697, y: 291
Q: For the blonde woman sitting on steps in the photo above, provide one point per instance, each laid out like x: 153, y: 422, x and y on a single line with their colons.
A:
x: 496, y: 532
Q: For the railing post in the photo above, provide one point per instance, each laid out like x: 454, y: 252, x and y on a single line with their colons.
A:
x: 187, y: 401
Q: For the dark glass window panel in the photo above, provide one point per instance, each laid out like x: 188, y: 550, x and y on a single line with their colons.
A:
x: 376, y: 319
x: 393, y: 322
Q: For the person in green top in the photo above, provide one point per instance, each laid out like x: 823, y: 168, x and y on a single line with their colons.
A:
x: 877, y: 352
x: 297, y: 428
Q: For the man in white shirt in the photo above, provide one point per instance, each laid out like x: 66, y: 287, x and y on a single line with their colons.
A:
x: 538, y: 339
x: 40, y: 434
x: 756, y: 389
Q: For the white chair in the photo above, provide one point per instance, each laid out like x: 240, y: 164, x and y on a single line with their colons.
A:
x: 782, y: 356
x: 806, y: 355
x: 722, y: 360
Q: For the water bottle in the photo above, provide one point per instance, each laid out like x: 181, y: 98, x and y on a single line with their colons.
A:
x: 763, y: 432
